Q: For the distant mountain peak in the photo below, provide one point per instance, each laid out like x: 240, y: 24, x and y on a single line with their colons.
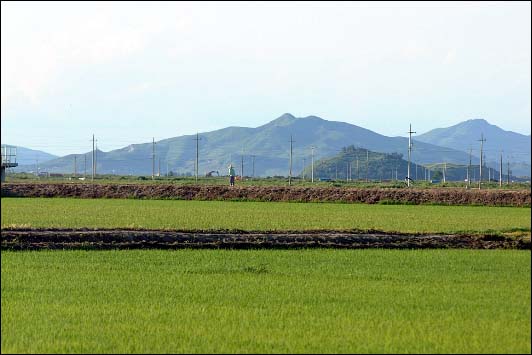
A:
x: 287, y: 116
x: 283, y: 120
x: 477, y: 121
x: 314, y: 118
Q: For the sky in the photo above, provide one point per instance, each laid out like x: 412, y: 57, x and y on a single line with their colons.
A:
x: 130, y: 71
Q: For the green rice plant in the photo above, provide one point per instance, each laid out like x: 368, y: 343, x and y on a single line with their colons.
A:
x: 258, y: 216
x: 266, y: 301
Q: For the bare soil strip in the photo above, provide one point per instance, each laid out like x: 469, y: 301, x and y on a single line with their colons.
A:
x: 34, y: 239
x: 446, y: 196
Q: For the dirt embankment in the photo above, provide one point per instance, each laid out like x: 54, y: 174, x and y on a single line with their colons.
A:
x: 450, y: 196
x: 30, y: 239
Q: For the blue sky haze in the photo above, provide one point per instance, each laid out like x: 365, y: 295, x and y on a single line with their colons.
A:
x: 131, y: 71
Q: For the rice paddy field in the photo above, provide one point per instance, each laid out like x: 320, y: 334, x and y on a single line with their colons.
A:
x: 216, y: 215
x: 259, y: 300
x: 266, y: 301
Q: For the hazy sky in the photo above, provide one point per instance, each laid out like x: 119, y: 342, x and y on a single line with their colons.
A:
x: 130, y: 71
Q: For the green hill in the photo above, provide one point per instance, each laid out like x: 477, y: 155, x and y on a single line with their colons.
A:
x: 361, y: 164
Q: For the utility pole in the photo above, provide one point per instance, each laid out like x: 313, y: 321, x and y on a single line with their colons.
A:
x: 290, y: 171
x: 482, y: 140
x: 444, y: 170
x: 367, y: 165
x: 242, y: 165
x: 253, y: 166
x: 96, y: 160
x: 500, y: 172
x: 409, y: 153
x: 347, y: 172
x: 358, y: 170
x: 508, y: 171
x: 196, y: 170
x: 153, y: 159
x: 468, y: 169
x: 312, y: 171
x: 93, y: 165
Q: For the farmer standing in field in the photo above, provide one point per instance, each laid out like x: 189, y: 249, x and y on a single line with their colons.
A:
x: 231, y: 175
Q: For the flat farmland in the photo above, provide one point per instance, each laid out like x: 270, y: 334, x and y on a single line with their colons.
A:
x: 263, y: 301
x: 259, y: 216
x: 266, y: 301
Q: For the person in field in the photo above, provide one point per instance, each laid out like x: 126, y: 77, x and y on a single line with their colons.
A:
x: 231, y: 175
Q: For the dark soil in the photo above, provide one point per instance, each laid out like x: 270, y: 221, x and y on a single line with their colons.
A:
x: 446, y: 196
x: 28, y: 239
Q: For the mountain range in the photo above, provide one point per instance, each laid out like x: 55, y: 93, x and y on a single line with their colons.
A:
x: 266, y: 148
